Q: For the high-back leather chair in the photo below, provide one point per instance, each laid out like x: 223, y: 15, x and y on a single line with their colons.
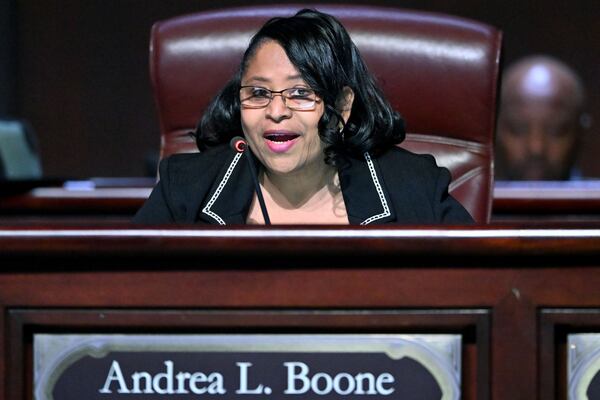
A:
x: 440, y: 72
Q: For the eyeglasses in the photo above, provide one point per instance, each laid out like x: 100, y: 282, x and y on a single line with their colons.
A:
x: 298, y: 98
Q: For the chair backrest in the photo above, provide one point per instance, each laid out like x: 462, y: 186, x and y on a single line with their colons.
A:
x: 439, y: 71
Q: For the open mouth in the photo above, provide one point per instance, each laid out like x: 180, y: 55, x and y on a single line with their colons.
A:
x: 280, y: 137
x: 280, y: 142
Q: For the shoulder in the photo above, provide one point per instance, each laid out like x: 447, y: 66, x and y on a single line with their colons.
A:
x: 191, y: 175
x: 186, y: 168
x: 184, y: 181
x: 400, y: 164
x: 416, y: 183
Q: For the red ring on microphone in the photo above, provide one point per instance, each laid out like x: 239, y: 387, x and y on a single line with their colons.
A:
x: 238, y: 144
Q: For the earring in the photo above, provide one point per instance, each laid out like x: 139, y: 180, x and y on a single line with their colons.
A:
x: 341, y: 130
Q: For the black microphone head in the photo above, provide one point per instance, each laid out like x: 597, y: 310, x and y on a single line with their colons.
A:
x: 238, y: 144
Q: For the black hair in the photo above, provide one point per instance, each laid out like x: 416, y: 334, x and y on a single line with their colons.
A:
x: 321, y: 49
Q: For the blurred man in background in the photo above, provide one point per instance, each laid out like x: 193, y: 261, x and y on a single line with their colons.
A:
x: 540, y: 122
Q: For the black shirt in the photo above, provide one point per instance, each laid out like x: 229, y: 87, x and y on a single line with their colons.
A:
x: 216, y: 187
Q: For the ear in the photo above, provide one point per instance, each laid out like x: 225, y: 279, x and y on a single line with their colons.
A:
x: 344, y: 102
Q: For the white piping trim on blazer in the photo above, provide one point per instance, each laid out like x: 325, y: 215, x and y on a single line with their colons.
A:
x: 206, y: 210
x: 386, y: 210
x: 384, y: 204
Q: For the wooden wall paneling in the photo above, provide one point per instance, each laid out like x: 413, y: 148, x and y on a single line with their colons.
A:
x: 90, y: 89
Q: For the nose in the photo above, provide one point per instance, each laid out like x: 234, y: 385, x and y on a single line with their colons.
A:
x: 277, y: 110
x: 536, y: 141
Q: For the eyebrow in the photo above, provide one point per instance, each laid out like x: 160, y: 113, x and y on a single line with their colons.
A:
x: 266, y: 80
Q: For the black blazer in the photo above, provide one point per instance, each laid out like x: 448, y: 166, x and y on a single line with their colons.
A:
x: 216, y: 187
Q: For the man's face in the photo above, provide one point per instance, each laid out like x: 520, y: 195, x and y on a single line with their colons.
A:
x: 538, y: 125
x: 537, y: 139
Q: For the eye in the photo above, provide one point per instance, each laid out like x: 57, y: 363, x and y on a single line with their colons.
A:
x: 260, y: 92
x: 300, y: 93
x: 517, y: 129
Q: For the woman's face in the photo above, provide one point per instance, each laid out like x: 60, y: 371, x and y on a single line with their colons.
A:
x: 285, y: 141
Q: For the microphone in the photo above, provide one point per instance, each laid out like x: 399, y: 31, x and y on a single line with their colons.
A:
x: 240, y: 145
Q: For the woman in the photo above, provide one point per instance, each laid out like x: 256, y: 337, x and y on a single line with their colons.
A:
x: 323, y: 137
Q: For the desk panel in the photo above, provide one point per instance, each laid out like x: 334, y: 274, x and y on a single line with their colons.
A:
x: 495, y: 286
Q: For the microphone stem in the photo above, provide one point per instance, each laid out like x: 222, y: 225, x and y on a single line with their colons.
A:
x: 261, y: 200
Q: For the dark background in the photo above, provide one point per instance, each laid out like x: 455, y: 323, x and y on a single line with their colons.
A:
x: 78, y: 69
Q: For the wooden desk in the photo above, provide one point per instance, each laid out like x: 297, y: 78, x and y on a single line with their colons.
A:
x: 115, y: 201
x: 546, y: 201
x: 73, y: 206
x: 514, y: 294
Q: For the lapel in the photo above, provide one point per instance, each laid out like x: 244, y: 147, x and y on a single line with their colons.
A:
x: 231, y: 194
x: 365, y: 194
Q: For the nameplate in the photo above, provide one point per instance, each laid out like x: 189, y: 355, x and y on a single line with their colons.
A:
x: 584, y: 366
x: 275, y: 366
